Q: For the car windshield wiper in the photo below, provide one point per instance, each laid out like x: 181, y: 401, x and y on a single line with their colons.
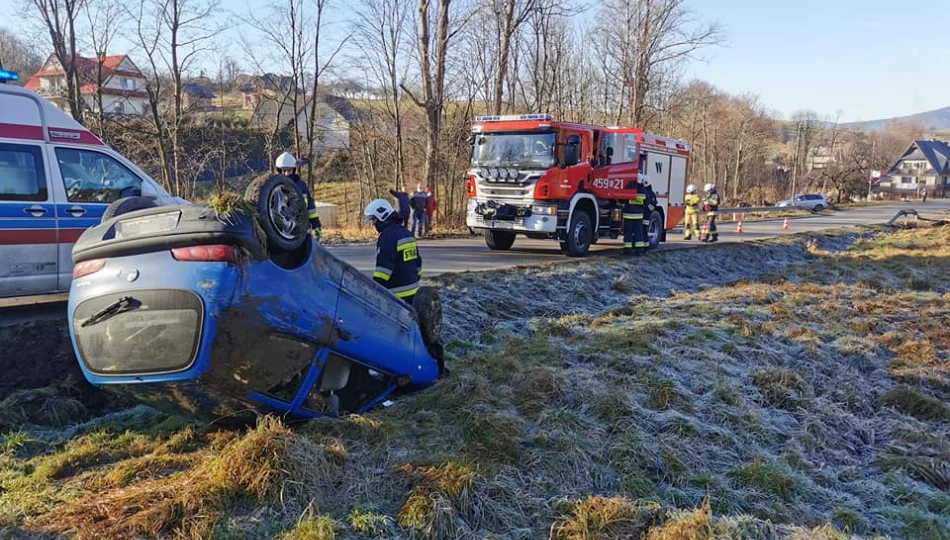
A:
x: 123, y: 304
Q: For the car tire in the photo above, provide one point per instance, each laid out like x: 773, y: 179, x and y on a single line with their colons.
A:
x: 818, y: 208
x: 428, y: 306
x: 499, y: 240
x: 579, y: 235
x: 126, y: 205
x: 656, y: 225
x: 281, y: 212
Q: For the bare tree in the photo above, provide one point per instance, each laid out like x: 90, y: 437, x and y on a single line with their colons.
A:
x: 17, y: 55
x: 104, y: 19
x: 59, y: 21
x: 508, y: 15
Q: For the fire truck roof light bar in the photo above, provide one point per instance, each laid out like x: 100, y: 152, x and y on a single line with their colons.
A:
x: 514, y: 117
x: 6, y: 75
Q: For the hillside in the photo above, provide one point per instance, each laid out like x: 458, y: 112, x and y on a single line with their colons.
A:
x: 782, y: 389
x: 932, y: 121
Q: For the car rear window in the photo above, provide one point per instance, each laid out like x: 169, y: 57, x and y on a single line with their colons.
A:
x: 159, y: 332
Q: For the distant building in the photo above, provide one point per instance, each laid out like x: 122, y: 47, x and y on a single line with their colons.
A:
x: 196, y: 97
x: 258, y: 88
x: 334, y: 119
x: 925, y: 165
x: 123, y: 84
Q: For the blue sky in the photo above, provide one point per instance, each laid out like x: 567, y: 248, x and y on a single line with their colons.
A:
x: 862, y: 59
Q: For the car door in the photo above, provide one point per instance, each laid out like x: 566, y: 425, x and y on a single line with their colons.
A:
x: 89, y: 181
x: 617, y: 163
x: 28, y: 238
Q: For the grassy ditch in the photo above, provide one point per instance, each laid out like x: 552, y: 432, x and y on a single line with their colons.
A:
x: 793, y: 388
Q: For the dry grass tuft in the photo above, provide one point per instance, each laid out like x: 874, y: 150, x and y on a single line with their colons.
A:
x: 52, y: 406
x: 320, y: 528
x: 694, y: 525
x: 782, y: 388
x: 917, y: 404
x: 441, y: 493
x: 606, y: 518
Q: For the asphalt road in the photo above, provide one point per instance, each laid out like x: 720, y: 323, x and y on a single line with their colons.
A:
x: 471, y: 254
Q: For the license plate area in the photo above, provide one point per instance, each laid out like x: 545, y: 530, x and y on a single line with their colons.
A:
x: 144, y: 226
x: 502, y: 225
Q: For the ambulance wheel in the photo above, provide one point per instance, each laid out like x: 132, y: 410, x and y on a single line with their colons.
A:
x: 655, y: 229
x: 579, y: 235
x: 126, y: 205
x: 499, y: 240
x: 281, y: 212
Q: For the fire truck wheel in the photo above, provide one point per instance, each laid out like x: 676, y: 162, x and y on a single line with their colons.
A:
x: 499, y: 240
x: 579, y: 234
x: 655, y: 229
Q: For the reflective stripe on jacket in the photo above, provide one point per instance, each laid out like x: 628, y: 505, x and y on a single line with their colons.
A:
x: 398, y: 264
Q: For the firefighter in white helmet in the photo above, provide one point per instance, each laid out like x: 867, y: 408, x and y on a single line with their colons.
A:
x: 711, y: 206
x: 398, y: 264
x: 650, y: 204
x: 692, y: 202
x: 286, y: 165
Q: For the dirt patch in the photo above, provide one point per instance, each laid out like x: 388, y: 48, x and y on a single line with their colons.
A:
x: 39, y: 354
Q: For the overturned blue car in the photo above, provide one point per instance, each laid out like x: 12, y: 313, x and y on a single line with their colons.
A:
x: 222, y: 311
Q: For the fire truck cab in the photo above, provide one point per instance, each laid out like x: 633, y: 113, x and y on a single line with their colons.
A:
x: 542, y: 178
x: 56, y: 180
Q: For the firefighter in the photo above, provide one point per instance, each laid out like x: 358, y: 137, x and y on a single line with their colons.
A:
x: 398, y: 265
x: 651, y: 204
x: 692, y: 201
x: 634, y: 238
x: 711, y: 207
x: 286, y: 165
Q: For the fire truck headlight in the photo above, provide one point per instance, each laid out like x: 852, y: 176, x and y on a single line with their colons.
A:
x: 544, y: 210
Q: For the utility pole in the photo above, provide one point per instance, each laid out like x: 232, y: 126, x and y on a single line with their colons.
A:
x: 871, y: 164
x: 798, y: 141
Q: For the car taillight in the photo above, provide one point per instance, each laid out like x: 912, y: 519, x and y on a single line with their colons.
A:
x: 470, y: 186
x: 88, y: 267
x: 210, y: 253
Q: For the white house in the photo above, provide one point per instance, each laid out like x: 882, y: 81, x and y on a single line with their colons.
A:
x: 123, y: 89
x: 925, y: 165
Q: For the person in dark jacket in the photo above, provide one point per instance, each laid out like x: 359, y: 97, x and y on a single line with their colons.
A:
x: 286, y: 165
x: 651, y: 204
x: 398, y: 264
x: 419, y: 201
x: 402, y: 205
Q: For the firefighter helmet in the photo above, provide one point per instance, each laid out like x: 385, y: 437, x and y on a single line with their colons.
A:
x: 691, y: 188
x: 379, y: 210
x: 286, y: 161
x: 709, y: 187
x: 644, y: 179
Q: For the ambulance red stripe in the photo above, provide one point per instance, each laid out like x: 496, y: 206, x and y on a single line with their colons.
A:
x: 16, y: 237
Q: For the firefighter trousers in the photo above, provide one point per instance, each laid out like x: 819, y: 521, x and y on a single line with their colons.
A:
x: 691, y: 227
x: 712, y: 235
x: 634, y: 235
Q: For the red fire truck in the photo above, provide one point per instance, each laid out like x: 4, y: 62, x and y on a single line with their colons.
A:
x: 535, y: 176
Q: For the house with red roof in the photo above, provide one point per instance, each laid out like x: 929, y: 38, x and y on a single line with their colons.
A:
x: 123, y: 84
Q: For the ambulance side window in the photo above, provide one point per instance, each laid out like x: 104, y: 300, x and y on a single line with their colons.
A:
x: 94, y: 177
x: 21, y: 173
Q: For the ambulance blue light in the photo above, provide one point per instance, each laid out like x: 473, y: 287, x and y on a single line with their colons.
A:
x: 6, y: 75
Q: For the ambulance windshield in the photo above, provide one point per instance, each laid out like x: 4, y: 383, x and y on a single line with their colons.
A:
x: 526, y: 150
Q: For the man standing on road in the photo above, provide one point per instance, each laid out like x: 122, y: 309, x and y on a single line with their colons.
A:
x: 402, y: 205
x: 692, y: 202
x: 634, y: 239
x: 711, y: 206
x: 430, y: 210
x: 286, y: 165
x: 398, y: 265
x: 418, y: 202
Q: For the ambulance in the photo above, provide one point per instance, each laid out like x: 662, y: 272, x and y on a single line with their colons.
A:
x: 56, y: 180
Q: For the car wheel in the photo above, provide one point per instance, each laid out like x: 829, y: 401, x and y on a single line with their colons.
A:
x: 281, y: 211
x: 499, y: 240
x: 579, y: 234
x: 126, y: 205
x: 428, y: 306
x: 818, y: 208
x: 655, y: 229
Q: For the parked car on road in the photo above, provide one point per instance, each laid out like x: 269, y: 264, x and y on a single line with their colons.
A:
x: 221, y: 310
x: 56, y: 180
x: 811, y: 201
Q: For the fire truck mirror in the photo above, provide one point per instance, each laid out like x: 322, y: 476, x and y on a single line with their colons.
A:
x: 572, y: 150
x: 471, y: 140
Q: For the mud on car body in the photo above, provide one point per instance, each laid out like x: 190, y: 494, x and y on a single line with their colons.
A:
x: 221, y: 316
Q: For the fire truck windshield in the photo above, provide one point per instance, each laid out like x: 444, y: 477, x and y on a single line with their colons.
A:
x: 529, y: 150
